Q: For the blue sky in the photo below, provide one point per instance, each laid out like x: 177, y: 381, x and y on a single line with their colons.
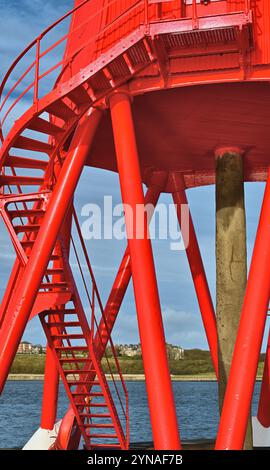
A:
x: 21, y: 21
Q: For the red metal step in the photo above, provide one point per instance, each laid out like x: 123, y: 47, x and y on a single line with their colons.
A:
x: 77, y: 359
x: 72, y: 348
x: 45, y: 127
x: 26, y: 143
x: 61, y: 110
x: 27, y: 228
x: 68, y: 336
x: 64, y: 324
x: 105, y: 446
x: 54, y: 271
x: 97, y: 405
x: 21, y: 180
x: 31, y: 213
x: 50, y: 285
x: 83, y: 382
x: 79, y: 96
x: 24, y: 162
x: 99, y: 426
x: 96, y: 415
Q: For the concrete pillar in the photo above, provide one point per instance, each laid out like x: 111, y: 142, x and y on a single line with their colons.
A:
x: 231, y: 259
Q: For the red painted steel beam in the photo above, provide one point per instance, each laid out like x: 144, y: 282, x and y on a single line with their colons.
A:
x: 67, y: 437
x: 263, y: 414
x: 15, y: 324
x: 158, y: 381
x: 238, y: 397
x: 197, y: 270
x: 50, y: 392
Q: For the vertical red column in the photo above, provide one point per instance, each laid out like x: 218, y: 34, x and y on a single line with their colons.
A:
x: 197, y: 272
x: 238, y: 397
x: 50, y: 392
x: 158, y: 381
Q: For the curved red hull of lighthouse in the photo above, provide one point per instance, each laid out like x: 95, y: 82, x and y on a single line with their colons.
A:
x: 151, y: 90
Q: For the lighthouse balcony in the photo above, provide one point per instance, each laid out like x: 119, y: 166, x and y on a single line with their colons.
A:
x: 181, y: 38
x: 202, y: 23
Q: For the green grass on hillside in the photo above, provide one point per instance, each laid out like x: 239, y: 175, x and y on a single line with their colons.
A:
x: 194, y: 362
x: 28, y: 364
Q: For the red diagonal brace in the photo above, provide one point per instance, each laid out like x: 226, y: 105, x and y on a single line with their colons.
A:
x: 197, y: 271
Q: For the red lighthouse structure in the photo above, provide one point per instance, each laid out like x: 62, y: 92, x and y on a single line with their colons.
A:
x: 152, y: 90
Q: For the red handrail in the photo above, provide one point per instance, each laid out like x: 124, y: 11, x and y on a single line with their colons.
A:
x: 94, y: 324
x: 47, y: 30
x: 37, y: 43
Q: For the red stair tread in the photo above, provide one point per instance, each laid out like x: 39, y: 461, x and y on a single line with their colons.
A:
x: 61, y: 110
x: 106, y: 446
x: 24, y: 162
x: 26, y: 213
x: 99, y: 426
x: 45, y: 127
x: 21, y: 180
x: 79, y: 96
x: 31, y: 144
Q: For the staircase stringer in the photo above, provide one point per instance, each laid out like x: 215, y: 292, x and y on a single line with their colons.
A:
x: 85, y: 371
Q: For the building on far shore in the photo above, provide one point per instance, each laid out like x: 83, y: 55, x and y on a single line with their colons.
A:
x: 134, y: 350
x: 25, y: 348
x: 28, y: 348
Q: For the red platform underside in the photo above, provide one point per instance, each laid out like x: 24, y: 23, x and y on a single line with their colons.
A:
x: 179, y: 129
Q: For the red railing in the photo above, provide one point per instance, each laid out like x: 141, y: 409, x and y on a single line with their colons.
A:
x: 35, y: 46
x: 33, y: 85
x: 99, y: 327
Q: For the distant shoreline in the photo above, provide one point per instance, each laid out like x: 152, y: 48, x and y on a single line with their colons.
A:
x: 127, y: 377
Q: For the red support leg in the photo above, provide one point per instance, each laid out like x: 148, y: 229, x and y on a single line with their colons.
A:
x: 158, y: 381
x: 50, y: 392
x: 197, y: 272
x: 264, y: 402
x: 66, y: 437
x: 14, y: 325
x: 237, y: 402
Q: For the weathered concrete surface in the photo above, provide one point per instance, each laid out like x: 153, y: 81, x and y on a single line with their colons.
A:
x: 231, y: 260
